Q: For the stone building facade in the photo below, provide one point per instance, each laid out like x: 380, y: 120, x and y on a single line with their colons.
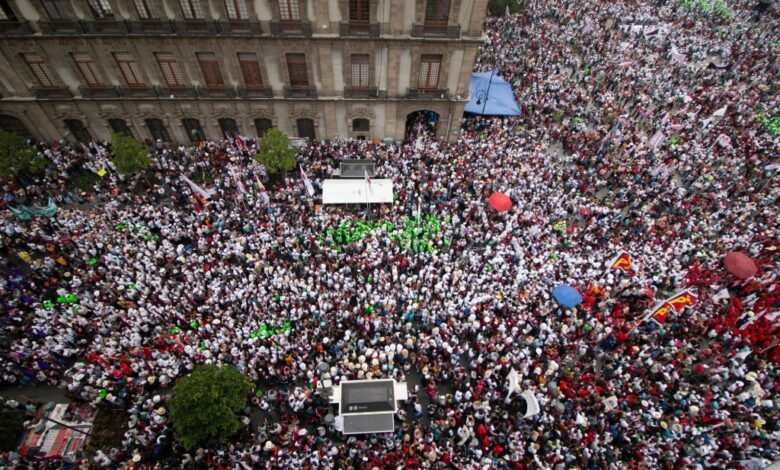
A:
x: 182, y: 70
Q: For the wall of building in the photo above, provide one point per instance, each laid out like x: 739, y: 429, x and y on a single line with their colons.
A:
x: 396, y: 38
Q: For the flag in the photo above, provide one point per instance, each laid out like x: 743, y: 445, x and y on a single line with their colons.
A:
x: 722, y: 294
x: 506, y: 13
x: 621, y: 262
x: 197, y: 189
x: 238, y: 181
x: 610, y: 403
x: 259, y: 184
x: 368, y: 180
x: 240, y: 142
x: 659, y: 314
x: 682, y: 300
x: 657, y: 139
x: 724, y: 141
x: 307, y: 183
x: 676, y: 56
x: 717, y: 114
x: 512, y: 382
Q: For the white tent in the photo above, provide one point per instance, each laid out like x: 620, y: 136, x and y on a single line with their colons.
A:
x: 357, y: 191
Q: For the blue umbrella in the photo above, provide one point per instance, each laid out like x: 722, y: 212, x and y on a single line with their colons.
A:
x: 567, y: 296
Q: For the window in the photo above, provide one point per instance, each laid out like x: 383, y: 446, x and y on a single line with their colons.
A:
x: 262, y: 125
x: 14, y: 125
x: 305, y: 128
x: 360, y: 70
x: 289, y: 10
x: 170, y: 69
x: 191, y: 9
x: 145, y: 9
x: 119, y: 126
x: 236, y: 9
x: 250, y: 70
x: 361, y: 125
x: 437, y: 11
x: 41, y: 72
x: 158, y: 130
x: 359, y: 11
x: 88, y: 70
x: 6, y: 13
x: 229, y: 128
x: 101, y: 9
x: 56, y: 9
x: 296, y: 66
x: 78, y: 130
x: 429, y: 71
x: 194, y: 131
x: 130, y: 69
x: 210, y: 68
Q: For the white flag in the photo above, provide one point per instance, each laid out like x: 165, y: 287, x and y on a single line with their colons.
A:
x: 724, y: 141
x: 307, y: 183
x: 723, y: 294
x: 657, y: 139
x: 610, y: 403
x: 239, y: 184
x: 198, y: 190
x: 512, y: 382
x: 676, y: 56
x: 717, y: 114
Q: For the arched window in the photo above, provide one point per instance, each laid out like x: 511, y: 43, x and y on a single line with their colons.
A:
x: 262, y: 125
x: 120, y: 127
x: 14, y: 125
x: 228, y: 127
x: 361, y: 125
x: 76, y: 127
x: 158, y: 130
x: 306, y: 128
x: 194, y: 131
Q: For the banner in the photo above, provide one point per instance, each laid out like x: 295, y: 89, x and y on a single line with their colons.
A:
x: 26, y: 212
x: 659, y: 314
x: 682, y: 300
x: 197, y: 189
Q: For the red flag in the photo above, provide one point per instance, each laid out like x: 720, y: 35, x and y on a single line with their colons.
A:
x: 622, y: 262
x: 659, y: 315
x: 682, y: 300
x: 240, y: 142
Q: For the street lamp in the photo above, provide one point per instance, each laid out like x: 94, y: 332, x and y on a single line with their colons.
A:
x: 483, y: 95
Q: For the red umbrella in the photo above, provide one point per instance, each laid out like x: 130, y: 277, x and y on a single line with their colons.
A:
x: 740, y: 265
x: 585, y: 211
x: 500, y: 202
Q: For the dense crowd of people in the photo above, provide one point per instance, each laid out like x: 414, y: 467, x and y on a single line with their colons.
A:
x: 638, y: 135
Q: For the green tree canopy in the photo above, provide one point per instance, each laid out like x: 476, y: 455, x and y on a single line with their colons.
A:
x: 498, y: 7
x: 205, y: 403
x: 276, y: 153
x: 129, y: 155
x: 17, y: 157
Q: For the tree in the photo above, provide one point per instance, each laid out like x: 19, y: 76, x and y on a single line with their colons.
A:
x: 276, y: 153
x: 129, y: 155
x: 498, y: 7
x: 16, y: 157
x: 205, y: 403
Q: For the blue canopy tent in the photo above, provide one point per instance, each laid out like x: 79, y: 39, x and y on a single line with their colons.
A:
x: 491, y: 95
x: 567, y: 296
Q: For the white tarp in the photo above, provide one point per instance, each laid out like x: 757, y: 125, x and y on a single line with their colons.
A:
x: 357, y: 191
